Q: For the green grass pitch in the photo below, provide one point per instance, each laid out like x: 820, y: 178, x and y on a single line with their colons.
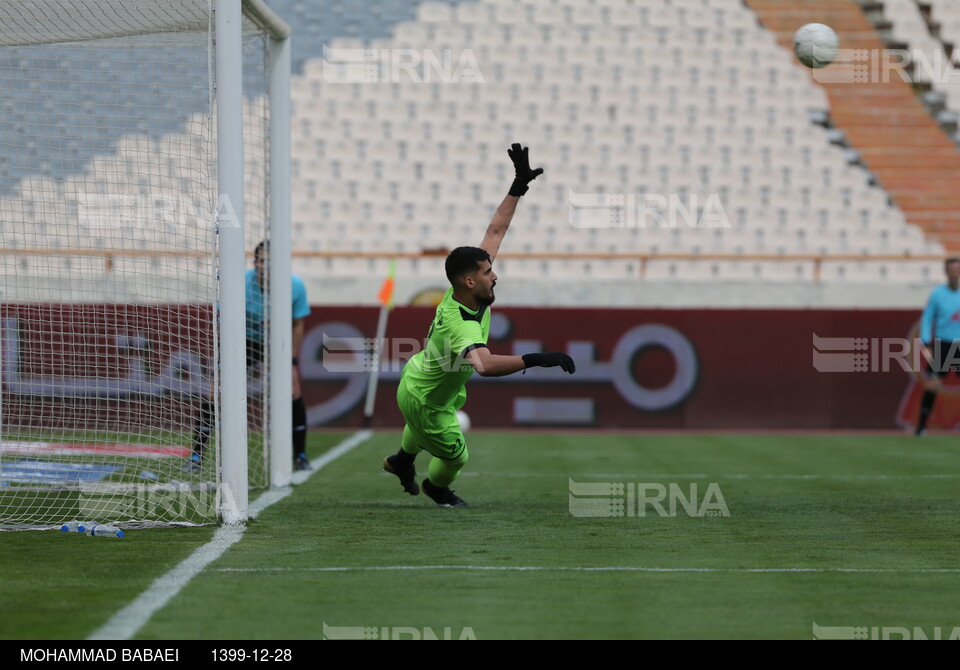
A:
x: 837, y: 530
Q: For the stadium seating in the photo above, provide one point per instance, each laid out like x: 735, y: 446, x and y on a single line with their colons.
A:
x: 750, y: 123
x: 659, y: 101
x: 946, y: 15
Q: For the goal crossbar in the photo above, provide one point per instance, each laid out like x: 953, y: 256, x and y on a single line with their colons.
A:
x: 84, y: 20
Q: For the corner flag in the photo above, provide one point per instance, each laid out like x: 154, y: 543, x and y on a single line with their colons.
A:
x: 386, y: 291
x: 385, y: 298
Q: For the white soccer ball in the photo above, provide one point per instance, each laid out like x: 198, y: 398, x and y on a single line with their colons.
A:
x: 464, y: 420
x: 816, y: 45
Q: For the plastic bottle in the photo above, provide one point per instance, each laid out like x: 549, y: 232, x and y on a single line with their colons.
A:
x: 99, y: 530
x: 74, y: 527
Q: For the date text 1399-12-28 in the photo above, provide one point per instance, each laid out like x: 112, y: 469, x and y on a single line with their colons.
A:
x: 257, y: 654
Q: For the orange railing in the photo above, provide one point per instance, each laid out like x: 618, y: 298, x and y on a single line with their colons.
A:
x: 816, y: 259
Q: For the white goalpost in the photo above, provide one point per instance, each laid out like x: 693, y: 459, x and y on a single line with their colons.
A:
x: 144, y: 153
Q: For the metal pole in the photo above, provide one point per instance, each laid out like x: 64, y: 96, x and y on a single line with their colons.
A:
x: 233, y: 378
x: 279, y: 434
x: 375, y: 372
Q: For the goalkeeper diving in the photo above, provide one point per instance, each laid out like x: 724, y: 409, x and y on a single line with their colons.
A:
x: 432, y: 385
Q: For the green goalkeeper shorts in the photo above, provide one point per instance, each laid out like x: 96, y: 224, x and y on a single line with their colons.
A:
x: 433, y: 429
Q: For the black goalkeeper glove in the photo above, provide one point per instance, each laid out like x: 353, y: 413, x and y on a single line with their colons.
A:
x: 550, y: 360
x: 521, y: 162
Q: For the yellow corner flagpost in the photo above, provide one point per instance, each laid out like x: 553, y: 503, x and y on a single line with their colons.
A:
x: 385, y: 297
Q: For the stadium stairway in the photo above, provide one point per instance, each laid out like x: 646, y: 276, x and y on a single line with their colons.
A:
x: 913, y: 159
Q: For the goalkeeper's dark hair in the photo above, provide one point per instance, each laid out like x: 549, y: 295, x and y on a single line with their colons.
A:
x: 952, y: 259
x: 261, y: 249
x: 463, y: 261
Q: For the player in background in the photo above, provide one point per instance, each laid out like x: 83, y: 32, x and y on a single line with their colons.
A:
x: 940, y: 338
x: 255, y: 282
x: 432, y: 383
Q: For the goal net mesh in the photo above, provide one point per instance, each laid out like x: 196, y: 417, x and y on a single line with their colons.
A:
x: 108, y: 288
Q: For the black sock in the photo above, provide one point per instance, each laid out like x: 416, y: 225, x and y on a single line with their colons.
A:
x: 405, y: 458
x: 926, y: 406
x: 299, y: 427
x: 204, y: 427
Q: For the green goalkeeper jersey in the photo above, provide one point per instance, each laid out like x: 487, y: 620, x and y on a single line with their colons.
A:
x: 437, y: 375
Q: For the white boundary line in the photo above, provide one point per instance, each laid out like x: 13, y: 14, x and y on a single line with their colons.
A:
x: 125, y: 623
x: 537, y: 568
x: 660, y: 475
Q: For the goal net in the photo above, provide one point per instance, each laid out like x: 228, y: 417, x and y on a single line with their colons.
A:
x: 113, y: 221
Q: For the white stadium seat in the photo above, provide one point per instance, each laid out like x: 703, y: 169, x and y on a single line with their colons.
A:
x: 693, y: 112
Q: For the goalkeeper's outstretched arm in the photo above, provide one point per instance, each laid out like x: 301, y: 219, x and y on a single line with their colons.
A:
x: 488, y: 364
x: 504, y: 215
